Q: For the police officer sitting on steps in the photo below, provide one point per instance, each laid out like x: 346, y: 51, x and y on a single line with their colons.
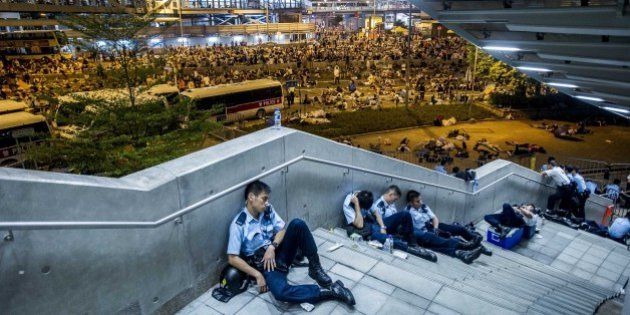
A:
x: 432, y: 233
x: 261, y: 246
x: 379, y: 219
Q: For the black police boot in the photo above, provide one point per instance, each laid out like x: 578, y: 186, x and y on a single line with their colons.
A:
x: 422, y: 253
x: 485, y: 251
x: 467, y: 245
x: 477, y: 239
x: 468, y: 256
x: 337, y: 292
x: 317, y: 273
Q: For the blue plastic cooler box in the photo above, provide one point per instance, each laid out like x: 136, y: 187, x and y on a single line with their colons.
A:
x: 511, y: 240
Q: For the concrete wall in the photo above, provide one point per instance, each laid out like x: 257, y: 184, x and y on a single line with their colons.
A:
x: 105, y: 271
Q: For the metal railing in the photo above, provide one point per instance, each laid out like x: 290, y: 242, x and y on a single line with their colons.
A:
x: 337, y: 8
x: 85, y: 3
x: 475, y: 5
x: 176, y: 216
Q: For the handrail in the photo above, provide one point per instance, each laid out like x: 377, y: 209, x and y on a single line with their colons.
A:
x: 39, y: 225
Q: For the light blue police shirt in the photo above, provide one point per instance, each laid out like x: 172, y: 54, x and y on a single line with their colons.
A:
x: 441, y: 169
x: 579, y: 182
x: 383, y: 208
x: 612, y: 191
x: 348, y: 209
x: 420, y: 216
x: 247, y: 234
x: 619, y: 228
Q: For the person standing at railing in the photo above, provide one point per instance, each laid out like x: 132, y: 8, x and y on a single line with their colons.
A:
x: 561, y: 181
x: 258, y: 236
x: 582, y: 193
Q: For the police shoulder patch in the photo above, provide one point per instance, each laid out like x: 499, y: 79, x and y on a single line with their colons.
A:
x: 381, y: 204
x: 241, y: 218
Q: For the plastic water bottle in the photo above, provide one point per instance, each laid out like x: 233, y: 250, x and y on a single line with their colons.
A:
x: 277, y: 117
x: 389, y: 244
x: 475, y: 185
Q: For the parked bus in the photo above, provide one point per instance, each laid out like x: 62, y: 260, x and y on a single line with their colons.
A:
x: 18, y: 130
x: 11, y: 106
x: 238, y: 101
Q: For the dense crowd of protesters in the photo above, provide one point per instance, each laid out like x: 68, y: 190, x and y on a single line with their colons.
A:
x: 375, y: 68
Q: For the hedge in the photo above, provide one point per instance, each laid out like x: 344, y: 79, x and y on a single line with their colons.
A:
x: 362, y: 121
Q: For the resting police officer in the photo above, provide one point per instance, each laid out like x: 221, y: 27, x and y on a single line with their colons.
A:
x: 261, y: 246
x: 377, y: 220
x: 427, y: 230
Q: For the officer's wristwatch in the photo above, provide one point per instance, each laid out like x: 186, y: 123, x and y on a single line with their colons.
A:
x: 275, y: 245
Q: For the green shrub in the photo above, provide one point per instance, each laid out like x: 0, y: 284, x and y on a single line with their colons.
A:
x: 121, y: 139
x: 362, y: 121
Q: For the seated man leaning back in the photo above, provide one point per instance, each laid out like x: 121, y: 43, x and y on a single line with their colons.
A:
x: 450, y: 239
x: 261, y: 246
x: 377, y: 220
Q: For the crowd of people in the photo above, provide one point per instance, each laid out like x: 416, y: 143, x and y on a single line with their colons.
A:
x: 372, y: 69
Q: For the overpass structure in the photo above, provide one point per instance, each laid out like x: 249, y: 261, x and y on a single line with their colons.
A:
x: 580, y: 48
x: 32, y: 26
x: 154, y: 241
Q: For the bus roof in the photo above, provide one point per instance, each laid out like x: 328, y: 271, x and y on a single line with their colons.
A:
x: 18, y: 119
x: 230, y: 88
x: 160, y: 89
x: 9, y: 106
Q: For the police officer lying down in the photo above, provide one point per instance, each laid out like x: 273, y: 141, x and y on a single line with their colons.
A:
x: 263, y: 247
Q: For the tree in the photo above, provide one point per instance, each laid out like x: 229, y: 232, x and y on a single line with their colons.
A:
x: 117, y: 32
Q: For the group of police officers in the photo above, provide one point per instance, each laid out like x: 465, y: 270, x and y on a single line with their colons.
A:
x: 262, y: 247
x: 571, y: 191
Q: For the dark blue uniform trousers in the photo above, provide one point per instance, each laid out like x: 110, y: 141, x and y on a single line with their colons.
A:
x: 507, y: 217
x: 455, y: 230
x: 297, y: 235
x: 430, y: 240
x: 399, y: 223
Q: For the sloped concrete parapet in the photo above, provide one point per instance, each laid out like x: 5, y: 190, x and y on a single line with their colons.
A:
x: 161, y: 267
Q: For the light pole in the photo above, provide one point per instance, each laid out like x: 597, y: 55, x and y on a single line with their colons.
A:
x: 473, y: 81
x: 373, y: 14
x: 267, y: 20
x: 181, y: 25
x: 408, y: 68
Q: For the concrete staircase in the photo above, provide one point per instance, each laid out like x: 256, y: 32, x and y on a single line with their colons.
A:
x: 505, y: 283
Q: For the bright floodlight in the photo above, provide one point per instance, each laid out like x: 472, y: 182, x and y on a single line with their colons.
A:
x: 155, y: 41
x: 565, y: 85
x: 213, y: 39
x: 589, y: 98
x: 534, y: 69
x: 238, y: 38
x: 618, y: 110
x: 501, y: 48
x: 182, y: 39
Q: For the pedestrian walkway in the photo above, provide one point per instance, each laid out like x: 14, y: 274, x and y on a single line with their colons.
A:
x: 505, y: 283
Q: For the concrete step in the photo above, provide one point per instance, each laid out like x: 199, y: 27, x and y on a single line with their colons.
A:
x: 506, y: 279
x: 413, y: 264
x: 505, y: 283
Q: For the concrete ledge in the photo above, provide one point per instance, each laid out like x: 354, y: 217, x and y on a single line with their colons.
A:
x: 162, y: 269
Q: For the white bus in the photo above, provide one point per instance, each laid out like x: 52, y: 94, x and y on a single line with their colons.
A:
x: 238, y: 101
x: 18, y: 130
